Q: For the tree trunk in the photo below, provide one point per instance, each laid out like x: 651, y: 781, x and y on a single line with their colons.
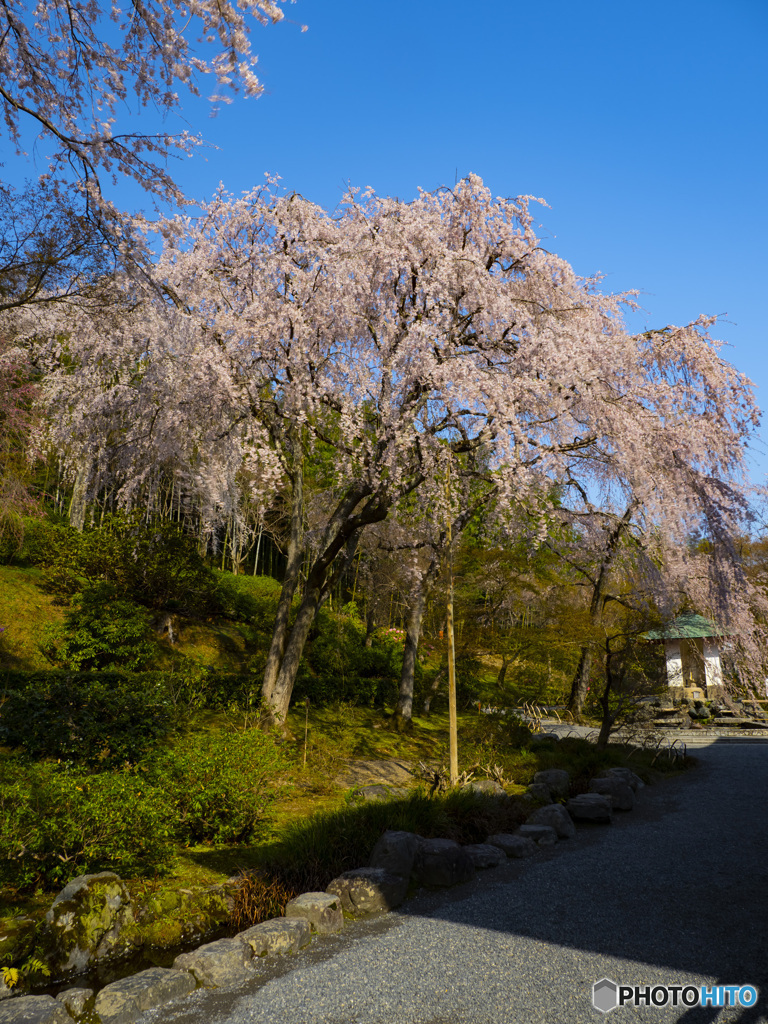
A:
x: 580, y: 683
x: 433, y: 689
x: 608, y: 718
x: 318, y: 587
x: 290, y: 581
x: 502, y: 671
x: 404, y: 709
x: 77, y: 504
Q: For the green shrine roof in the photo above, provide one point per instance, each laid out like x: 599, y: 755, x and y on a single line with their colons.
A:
x: 688, y: 626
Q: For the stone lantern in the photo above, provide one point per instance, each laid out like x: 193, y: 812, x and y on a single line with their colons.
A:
x: 692, y: 650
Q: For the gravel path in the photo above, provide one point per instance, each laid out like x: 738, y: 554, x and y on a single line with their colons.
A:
x: 673, y: 893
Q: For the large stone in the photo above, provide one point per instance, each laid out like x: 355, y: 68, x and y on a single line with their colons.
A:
x: 484, y: 855
x: 557, y: 780
x: 123, y: 1002
x: 621, y: 795
x: 590, y: 807
x: 542, y: 835
x: 219, y: 964
x: 280, y: 935
x: 378, y: 793
x: 33, y: 1010
x: 556, y: 816
x: 368, y: 890
x: 395, y: 852
x: 628, y: 776
x: 321, y: 909
x: 6, y: 991
x: 441, y: 862
x: 75, y: 1000
x: 87, y: 921
x: 512, y: 845
x: 539, y: 791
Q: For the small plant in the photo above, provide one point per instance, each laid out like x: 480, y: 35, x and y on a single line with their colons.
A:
x: 258, y: 899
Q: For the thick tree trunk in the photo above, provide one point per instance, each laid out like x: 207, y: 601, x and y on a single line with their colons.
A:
x: 290, y: 581
x: 280, y: 697
x: 320, y: 582
x: 580, y: 683
x: 404, y: 709
x: 77, y: 505
x: 608, y: 719
x: 502, y: 671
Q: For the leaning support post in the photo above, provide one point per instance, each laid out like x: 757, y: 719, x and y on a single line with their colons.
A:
x: 453, y: 743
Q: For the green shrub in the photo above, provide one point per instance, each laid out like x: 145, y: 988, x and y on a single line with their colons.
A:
x: 221, y: 784
x: 157, y: 565
x: 99, y: 719
x: 57, y: 822
x: 103, y: 631
x: 251, y: 599
x: 339, y: 667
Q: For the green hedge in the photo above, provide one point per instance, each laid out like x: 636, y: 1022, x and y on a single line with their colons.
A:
x: 57, y: 822
x: 95, y: 718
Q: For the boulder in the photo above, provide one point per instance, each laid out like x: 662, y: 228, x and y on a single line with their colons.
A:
x: 512, y: 845
x: 485, y: 787
x: 395, y: 852
x: 542, y: 835
x: 441, y: 862
x: 484, y: 855
x: 628, y: 776
x: 590, y: 807
x: 556, y: 816
x: 378, y: 792
x: 34, y: 1010
x: 219, y: 964
x: 557, y: 780
x: 75, y: 1000
x: 123, y: 1002
x: 321, y: 909
x: 621, y: 794
x: 368, y: 890
x: 539, y: 791
x: 279, y: 935
x: 87, y: 922
x: 6, y: 991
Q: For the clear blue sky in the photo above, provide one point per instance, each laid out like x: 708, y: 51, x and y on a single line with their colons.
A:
x: 643, y: 125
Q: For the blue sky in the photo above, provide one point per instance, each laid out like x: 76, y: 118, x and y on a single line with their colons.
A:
x: 643, y: 125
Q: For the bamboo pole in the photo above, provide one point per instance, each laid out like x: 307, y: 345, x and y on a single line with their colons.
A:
x: 453, y: 742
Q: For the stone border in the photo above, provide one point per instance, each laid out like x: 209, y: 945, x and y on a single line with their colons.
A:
x: 400, y: 861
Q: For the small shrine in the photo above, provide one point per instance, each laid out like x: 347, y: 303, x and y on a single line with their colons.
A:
x: 692, y: 651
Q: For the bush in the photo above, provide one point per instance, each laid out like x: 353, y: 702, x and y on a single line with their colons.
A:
x: 221, y: 784
x: 251, y: 599
x: 99, y: 719
x: 157, y: 565
x: 103, y: 631
x: 339, y: 667
x: 57, y: 822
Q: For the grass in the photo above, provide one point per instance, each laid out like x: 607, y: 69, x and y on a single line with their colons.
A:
x: 315, y: 829
x: 24, y: 608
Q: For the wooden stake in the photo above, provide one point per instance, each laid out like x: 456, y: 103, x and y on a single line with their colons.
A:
x: 306, y: 728
x: 453, y: 741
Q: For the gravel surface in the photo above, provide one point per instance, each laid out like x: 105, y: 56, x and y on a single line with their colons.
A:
x: 671, y: 893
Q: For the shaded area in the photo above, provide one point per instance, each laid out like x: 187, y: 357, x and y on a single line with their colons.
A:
x: 673, y: 893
